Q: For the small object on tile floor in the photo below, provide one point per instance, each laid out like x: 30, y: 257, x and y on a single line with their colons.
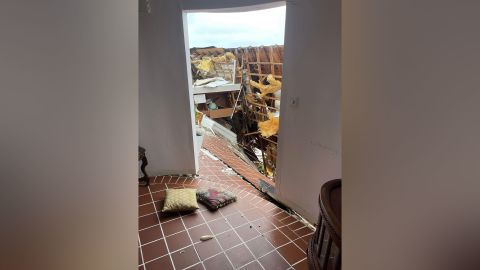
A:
x: 182, y: 251
x: 206, y: 237
x: 215, y: 198
x: 250, y: 226
x: 180, y: 200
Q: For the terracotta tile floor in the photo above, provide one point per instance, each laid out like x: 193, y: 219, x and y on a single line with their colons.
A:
x: 252, y: 233
x: 220, y: 148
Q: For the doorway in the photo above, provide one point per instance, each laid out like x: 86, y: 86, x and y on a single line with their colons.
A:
x: 235, y: 69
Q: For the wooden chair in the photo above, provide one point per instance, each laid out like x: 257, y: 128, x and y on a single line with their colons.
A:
x: 324, y: 249
x: 144, y: 180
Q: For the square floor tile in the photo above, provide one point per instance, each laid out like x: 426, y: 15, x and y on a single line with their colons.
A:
x: 229, y: 209
x: 150, y: 234
x: 289, y: 233
x: 219, y: 225
x: 144, y: 199
x: 307, y: 238
x: 303, y: 231
x: 288, y: 220
x: 259, y: 246
x: 296, y: 225
x: 277, y: 238
x: 178, y: 241
x: 292, y: 253
x: 273, y: 261
x: 243, y: 205
x: 274, y: 210
x: 301, y: 244
x: 263, y: 225
x: 247, y: 232
x: 185, y: 257
x: 167, y: 216
x: 159, y: 196
x: 147, y: 221
x: 163, y: 263
x: 154, y: 250
x: 208, y: 248
x: 193, y: 219
x: 239, y: 256
x: 218, y: 262
x: 146, y: 209
x: 275, y: 221
x: 228, y: 239
x: 199, y: 231
x: 236, y: 219
x: 173, y: 226
x: 142, y: 190
x: 211, y: 215
x: 282, y: 215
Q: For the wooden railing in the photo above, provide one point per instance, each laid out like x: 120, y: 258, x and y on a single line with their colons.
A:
x: 324, y: 249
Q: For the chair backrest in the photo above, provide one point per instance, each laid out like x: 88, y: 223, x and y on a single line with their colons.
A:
x: 324, y: 249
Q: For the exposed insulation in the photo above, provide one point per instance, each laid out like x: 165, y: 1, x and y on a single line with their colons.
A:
x: 272, y: 87
x: 269, y: 127
x: 205, y: 64
x: 228, y: 57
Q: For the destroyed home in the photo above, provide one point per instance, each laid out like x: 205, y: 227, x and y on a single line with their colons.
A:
x: 240, y: 89
x: 242, y: 130
x: 226, y: 206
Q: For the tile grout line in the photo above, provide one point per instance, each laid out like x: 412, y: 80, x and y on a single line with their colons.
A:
x: 262, y: 235
x: 241, y: 239
x: 225, y: 216
x: 274, y: 248
x: 141, y: 251
x: 304, y: 259
x: 193, y: 244
x: 223, y: 251
x: 244, y: 178
x: 140, y: 242
x: 166, y: 244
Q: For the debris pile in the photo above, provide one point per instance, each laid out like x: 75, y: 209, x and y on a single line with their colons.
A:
x: 243, y: 95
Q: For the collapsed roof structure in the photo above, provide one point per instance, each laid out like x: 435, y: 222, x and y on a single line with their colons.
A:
x: 240, y: 89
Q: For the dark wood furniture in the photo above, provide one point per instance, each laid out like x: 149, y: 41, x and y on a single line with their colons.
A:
x: 144, y: 180
x: 324, y: 249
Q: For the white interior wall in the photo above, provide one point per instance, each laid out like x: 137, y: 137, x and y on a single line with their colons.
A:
x: 410, y: 112
x: 309, y: 137
x: 166, y: 116
x: 69, y: 134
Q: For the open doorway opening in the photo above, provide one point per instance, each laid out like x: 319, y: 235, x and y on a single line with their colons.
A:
x: 236, y: 61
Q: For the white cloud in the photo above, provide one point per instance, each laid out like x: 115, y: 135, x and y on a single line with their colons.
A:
x: 240, y: 29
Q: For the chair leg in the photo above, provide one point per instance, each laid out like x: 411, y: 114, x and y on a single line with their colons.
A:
x: 145, y: 180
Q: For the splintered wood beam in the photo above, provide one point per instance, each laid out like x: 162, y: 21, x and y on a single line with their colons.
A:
x: 268, y: 140
x: 264, y: 63
x: 258, y: 74
x: 259, y: 67
x: 272, y: 66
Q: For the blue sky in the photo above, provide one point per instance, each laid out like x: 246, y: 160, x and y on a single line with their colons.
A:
x: 241, y: 29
